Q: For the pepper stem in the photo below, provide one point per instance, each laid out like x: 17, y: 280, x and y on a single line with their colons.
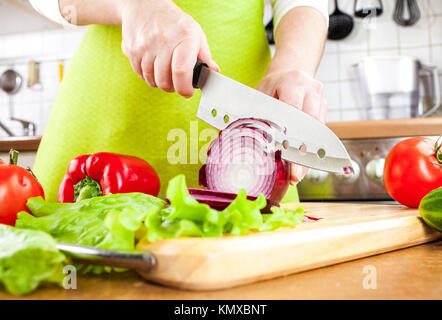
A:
x: 13, y: 156
x: 87, y: 188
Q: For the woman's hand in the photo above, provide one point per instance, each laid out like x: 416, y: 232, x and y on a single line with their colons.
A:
x: 300, y: 90
x: 163, y: 44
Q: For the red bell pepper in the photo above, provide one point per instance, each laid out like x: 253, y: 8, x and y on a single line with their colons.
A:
x: 17, y: 185
x: 104, y: 173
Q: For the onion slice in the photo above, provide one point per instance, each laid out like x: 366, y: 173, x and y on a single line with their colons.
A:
x: 220, y: 200
x: 244, y: 157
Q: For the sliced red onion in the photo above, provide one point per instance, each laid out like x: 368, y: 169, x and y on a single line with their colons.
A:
x: 243, y: 156
x: 220, y: 200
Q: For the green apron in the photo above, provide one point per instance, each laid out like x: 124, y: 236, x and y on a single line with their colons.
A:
x: 102, y: 105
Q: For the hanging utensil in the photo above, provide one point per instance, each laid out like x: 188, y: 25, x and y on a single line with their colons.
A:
x: 368, y: 11
x: 399, y: 13
x: 269, y: 32
x: 11, y: 81
x: 340, y: 24
x: 34, y: 75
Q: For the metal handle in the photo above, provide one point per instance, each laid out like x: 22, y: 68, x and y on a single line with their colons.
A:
x: 89, y: 255
x: 196, y: 73
x: 435, y: 90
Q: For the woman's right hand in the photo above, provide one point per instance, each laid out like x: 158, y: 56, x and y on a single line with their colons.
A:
x: 163, y: 44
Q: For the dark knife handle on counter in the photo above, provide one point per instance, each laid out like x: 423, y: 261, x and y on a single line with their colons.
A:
x: 196, y: 73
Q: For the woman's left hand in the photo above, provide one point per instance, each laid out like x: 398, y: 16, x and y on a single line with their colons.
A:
x: 300, y: 90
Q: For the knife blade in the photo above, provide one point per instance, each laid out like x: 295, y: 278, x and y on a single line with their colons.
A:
x: 303, y: 139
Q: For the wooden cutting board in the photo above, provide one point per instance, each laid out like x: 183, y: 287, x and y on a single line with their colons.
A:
x: 345, y: 232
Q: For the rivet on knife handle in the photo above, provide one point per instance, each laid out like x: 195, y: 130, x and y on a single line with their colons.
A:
x: 196, y: 73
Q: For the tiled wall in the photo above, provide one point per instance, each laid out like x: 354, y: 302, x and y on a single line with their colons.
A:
x: 380, y: 37
x: 49, y: 48
x: 424, y: 40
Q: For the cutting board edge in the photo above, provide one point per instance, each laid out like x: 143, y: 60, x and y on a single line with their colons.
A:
x: 195, y: 281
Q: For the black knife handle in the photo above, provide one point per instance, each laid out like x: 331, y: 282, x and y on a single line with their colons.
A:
x: 196, y: 73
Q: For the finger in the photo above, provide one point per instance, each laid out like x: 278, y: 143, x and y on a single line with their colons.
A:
x: 135, y: 60
x: 265, y: 86
x: 312, y: 104
x: 147, y: 66
x: 205, y: 55
x: 163, y: 71
x: 183, y: 60
x: 297, y: 173
x: 293, y: 95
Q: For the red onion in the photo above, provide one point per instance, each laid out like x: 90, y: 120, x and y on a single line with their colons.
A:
x: 220, y: 200
x: 243, y: 156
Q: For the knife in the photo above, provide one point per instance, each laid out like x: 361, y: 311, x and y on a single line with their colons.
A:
x: 142, y: 260
x: 302, y: 139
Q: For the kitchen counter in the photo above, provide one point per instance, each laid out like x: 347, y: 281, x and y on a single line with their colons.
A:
x: 412, y: 273
x: 24, y: 143
x: 431, y: 126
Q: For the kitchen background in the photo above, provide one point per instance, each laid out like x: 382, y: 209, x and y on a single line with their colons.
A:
x: 53, y: 46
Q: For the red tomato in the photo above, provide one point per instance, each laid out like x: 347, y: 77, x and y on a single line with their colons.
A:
x: 411, y: 171
x: 17, y: 185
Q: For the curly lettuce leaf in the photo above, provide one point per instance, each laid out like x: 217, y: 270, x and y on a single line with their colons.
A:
x: 106, y: 222
x: 187, y: 217
x: 27, y: 259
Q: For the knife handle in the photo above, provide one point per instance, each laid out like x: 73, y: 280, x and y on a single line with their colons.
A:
x: 196, y: 73
x: 144, y: 261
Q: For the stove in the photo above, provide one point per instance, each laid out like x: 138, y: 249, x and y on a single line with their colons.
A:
x: 365, y: 183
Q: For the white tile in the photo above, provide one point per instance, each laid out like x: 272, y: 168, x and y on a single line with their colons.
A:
x: 414, y: 36
x: 436, y: 57
x: 331, y: 94
x: 52, y: 42
x: 333, y: 116
x: 330, y: 47
x: 423, y: 54
x: 32, y: 44
x: 349, y: 97
x: 426, y: 7
x: 385, y: 52
x: 70, y: 42
x: 328, y: 69
x: 436, y: 30
x: 346, y: 61
x: 357, y: 40
x: 352, y: 115
x: 383, y: 35
x: 436, y: 7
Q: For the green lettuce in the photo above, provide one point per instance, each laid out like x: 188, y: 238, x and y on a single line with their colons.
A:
x: 27, y: 259
x: 187, y: 217
x: 116, y: 221
x: 106, y: 222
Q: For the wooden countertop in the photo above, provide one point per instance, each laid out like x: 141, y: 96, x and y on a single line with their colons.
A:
x: 19, y: 143
x: 431, y: 126
x: 412, y: 273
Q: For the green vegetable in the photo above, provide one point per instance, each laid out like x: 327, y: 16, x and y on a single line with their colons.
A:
x: 188, y: 217
x: 110, y: 222
x: 116, y: 221
x: 430, y: 209
x: 28, y: 258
